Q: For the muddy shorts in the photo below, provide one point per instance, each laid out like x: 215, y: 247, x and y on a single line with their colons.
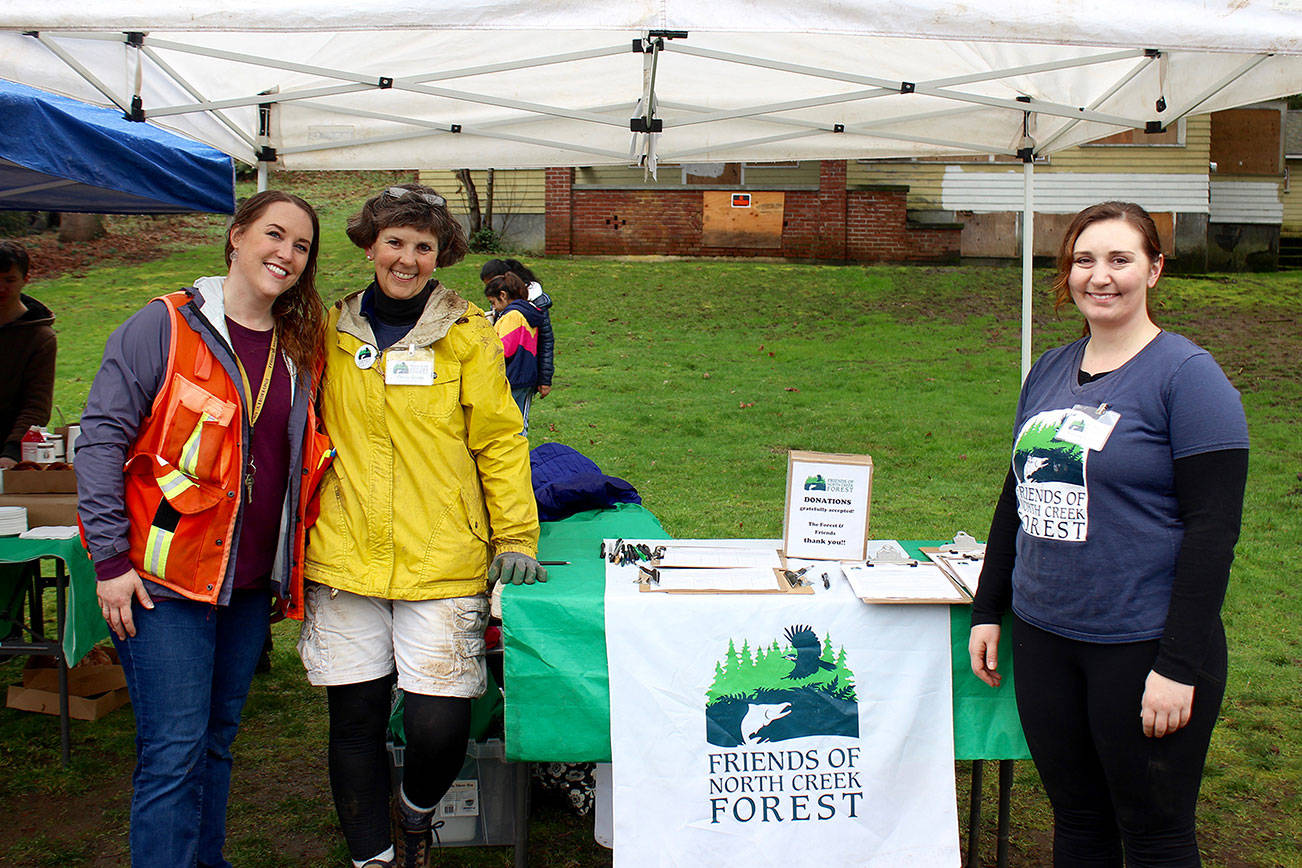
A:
x: 437, y: 646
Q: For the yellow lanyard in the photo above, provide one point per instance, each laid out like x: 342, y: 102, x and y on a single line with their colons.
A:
x: 256, y: 411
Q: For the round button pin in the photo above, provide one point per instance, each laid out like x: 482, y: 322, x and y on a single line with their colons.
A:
x: 365, y: 356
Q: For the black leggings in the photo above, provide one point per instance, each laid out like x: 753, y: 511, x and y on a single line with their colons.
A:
x: 436, y: 728
x: 1109, y: 784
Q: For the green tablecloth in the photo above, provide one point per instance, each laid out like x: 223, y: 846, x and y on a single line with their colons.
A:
x: 558, y: 688
x: 84, y: 625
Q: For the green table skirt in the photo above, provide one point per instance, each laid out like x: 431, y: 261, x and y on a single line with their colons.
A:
x: 85, y: 624
x: 557, y: 684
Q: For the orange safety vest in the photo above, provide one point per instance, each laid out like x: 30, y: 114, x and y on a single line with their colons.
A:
x: 183, y: 472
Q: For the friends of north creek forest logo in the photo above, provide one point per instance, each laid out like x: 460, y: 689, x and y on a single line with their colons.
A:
x: 781, y: 692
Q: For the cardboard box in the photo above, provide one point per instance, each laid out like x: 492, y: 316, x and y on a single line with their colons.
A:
x: 88, y: 678
x: 39, y: 482
x: 80, y: 707
x: 43, y: 510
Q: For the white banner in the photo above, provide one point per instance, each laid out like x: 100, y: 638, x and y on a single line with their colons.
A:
x: 770, y: 729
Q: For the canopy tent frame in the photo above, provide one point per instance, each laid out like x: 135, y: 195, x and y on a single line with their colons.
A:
x: 360, y: 82
x: 1000, y: 74
x: 31, y: 188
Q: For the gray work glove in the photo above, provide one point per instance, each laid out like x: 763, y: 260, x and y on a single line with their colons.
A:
x: 515, y: 568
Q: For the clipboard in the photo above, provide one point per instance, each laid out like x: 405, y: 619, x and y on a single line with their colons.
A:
x: 956, y: 560
x: 930, y: 575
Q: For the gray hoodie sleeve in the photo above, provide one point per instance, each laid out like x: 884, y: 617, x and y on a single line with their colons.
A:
x: 129, y: 378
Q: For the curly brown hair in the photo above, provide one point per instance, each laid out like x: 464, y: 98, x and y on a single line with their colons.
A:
x: 299, y: 312
x: 1129, y: 213
x: 418, y: 207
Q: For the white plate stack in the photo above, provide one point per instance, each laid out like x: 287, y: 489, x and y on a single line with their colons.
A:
x: 13, y: 520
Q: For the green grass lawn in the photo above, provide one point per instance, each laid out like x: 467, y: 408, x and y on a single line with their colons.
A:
x: 692, y: 379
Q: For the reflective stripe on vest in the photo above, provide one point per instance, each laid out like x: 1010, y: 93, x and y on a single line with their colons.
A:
x: 189, y: 458
x: 174, y: 484
x: 158, y: 544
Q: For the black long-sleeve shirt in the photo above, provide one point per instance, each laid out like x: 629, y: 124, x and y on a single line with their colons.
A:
x: 1209, y: 493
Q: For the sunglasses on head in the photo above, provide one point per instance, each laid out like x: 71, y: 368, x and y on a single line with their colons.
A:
x: 431, y: 198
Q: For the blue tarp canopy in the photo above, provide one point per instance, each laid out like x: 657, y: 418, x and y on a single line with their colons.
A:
x: 59, y: 154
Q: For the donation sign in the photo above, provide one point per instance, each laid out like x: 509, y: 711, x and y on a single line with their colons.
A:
x: 828, y: 498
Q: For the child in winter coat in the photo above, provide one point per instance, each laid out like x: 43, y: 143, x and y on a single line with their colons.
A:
x: 539, y: 299
x: 517, y: 323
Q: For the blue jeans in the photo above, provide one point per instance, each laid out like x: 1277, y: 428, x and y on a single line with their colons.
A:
x: 523, y: 400
x: 188, y: 671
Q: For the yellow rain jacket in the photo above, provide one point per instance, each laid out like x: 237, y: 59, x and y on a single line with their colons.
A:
x: 430, y: 481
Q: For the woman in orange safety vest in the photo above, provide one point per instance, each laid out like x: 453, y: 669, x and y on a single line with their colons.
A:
x: 199, y: 450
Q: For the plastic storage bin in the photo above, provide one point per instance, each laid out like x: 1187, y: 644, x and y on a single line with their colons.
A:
x: 480, y: 806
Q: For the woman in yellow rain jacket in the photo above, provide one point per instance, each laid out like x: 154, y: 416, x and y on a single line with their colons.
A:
x: 429, y: 486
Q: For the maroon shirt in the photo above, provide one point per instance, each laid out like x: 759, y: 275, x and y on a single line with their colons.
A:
x: 269, y: 447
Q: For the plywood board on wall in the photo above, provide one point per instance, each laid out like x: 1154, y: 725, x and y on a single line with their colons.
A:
x: 1246, y: 141
x: 751, y: 220
x: 1050, y: 229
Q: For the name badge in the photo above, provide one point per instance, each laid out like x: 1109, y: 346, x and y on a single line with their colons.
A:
x: 413, y: 366
x: 1088, y: 427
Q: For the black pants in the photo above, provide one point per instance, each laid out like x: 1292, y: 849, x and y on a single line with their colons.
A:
x: 1110, y: 786
x: 436, y: 728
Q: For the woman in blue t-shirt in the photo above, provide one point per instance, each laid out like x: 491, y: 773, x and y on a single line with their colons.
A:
x: 1112, y: 542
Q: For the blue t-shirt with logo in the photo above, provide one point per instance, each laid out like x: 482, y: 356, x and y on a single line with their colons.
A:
x: 1100, y: 529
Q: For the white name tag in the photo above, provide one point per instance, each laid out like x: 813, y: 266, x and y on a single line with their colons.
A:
x: 1088, y: 427
x: 413, y: 366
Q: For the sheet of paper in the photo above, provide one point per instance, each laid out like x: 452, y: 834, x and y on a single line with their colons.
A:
x: 724, y: 579
x: 720, y: 556
x: 894, y: 582
x: 964, y: 567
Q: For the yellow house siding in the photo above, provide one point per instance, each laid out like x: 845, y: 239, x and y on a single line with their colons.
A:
x: 1291, y: 196
x: 923, y: 179
x: 804, y: 174
x: 515, y: 191
x: 1188, y: 159
x: 626, y: 176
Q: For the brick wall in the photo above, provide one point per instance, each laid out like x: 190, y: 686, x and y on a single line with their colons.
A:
x: 828, y: 224
x: 832, y: 202
x: 877, y: 230
x: 559, y: 187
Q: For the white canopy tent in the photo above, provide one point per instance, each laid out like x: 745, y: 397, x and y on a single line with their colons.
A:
x: 326, y: 84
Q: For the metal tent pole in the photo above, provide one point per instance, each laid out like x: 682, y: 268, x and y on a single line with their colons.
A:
x: 1028, y: 236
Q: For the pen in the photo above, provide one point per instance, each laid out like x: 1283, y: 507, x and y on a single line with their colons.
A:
x: 553, y: 563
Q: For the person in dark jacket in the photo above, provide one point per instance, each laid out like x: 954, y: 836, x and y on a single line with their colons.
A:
x: 539, y: 299
x: 28, y: 346
x: 517, y: 323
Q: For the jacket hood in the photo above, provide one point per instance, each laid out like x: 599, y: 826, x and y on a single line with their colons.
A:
x: 532, y: 315
x: 537, y: 297
x: 442, y: 311
x: 37, y: 314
